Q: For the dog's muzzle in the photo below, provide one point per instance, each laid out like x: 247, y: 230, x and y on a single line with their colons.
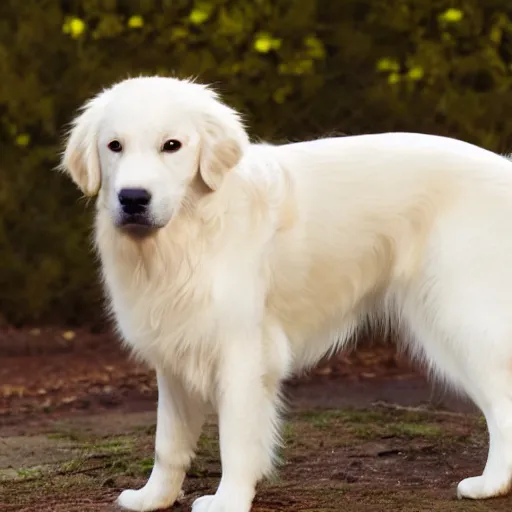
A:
x: 135, y: 215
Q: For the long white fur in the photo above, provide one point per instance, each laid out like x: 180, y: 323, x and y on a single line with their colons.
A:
x: 271, y: 256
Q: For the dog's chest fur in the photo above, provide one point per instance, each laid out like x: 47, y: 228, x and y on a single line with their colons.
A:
x: 168, y: 322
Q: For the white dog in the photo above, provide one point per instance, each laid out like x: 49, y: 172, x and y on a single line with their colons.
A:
x: 229, y: 265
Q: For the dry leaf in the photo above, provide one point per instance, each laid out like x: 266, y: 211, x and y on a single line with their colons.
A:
x: 68, y: 335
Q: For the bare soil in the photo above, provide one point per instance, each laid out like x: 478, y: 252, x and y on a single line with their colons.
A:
x: 364, y: 432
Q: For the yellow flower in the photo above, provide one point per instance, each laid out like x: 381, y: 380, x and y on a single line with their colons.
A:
x: 416, y: 73
x: 387, y: 64
x: 315, y: 47
x: 198, y: 16
x: 393, y: 78
x: 136, y: 21
x: 23, y: 140
x: 452, y: 15
x: 75, y: 27
x: 264, y: 42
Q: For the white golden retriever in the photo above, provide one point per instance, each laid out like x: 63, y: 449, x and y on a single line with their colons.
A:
x: 230, y: 265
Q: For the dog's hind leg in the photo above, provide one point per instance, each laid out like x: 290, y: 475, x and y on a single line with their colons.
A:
x: 486, y: 377
x: 469, y: 343
x: 489, y: 382
x: 496, y: 479
x: 458, y: 304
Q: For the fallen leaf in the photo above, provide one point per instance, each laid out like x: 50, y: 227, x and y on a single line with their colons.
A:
x: 68, y: 335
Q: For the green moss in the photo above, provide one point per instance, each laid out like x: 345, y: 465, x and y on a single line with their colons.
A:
x: 134, y: 467
x: 66, y: 436
x: 416, y: 430
x: 29, y: 473
x: 112, y: 446
x: 379, y: 423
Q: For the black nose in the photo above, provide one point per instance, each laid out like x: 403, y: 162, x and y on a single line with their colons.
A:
x: 134, y: 200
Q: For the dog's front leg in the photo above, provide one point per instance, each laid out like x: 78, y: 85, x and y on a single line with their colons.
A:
x: 180, y: 417
x: 248, y: 423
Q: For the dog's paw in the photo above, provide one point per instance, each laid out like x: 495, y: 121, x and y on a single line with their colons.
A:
x: 217, y: 504
x: 479, y: 488
x: 143, y: 501
x: 203, y: 504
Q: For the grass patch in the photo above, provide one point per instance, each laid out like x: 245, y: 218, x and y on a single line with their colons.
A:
x: 29, y: 473
x: 375, y: 423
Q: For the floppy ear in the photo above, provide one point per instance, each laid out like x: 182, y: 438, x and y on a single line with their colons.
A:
x: 223, y: 143
x: 80, y: 159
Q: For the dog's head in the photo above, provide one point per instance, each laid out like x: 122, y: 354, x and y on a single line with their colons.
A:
x: 143, y: 143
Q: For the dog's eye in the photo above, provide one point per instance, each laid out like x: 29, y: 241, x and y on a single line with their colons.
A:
x: 171, y: 146
x: 115, y: 146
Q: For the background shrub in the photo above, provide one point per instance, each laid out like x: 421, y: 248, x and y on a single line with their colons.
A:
x: 296, y: 68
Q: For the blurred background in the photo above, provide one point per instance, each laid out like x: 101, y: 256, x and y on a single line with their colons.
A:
x: 295, y: 68
x: 76, y: 413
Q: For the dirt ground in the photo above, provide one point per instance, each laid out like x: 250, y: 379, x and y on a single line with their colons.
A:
x: 364, y: 432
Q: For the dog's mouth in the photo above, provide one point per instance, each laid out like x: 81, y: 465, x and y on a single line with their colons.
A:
x: 137, y: 226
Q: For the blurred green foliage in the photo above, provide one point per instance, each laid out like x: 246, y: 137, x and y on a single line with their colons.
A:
x: 296, y: 68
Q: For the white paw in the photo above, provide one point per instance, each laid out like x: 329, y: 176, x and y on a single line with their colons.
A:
x: 143, y: 501
x: 479, y: 488
x: 202, y: 504
x: 217, y: 504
